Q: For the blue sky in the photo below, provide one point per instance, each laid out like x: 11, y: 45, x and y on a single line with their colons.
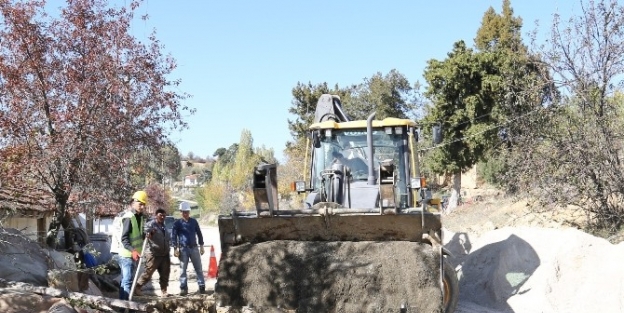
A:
x: 241, y: 59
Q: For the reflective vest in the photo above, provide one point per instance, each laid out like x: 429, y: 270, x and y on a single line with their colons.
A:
x: 136, y: 235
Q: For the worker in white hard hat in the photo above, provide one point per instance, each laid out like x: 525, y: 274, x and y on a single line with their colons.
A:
x: 132, y: 236
x: 188, y: 243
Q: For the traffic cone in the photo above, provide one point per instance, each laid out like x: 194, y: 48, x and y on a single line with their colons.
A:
x: 212, y: 267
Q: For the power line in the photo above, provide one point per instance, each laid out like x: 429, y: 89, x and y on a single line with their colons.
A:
x: 481, y: 132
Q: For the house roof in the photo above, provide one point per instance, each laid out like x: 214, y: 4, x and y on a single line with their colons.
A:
x: 24, y: 202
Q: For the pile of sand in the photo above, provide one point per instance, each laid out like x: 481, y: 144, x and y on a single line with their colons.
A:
x: 331, y: 276
x: 528, y: 269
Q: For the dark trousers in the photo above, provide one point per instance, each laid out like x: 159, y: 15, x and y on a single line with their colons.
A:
x: 162, y: 264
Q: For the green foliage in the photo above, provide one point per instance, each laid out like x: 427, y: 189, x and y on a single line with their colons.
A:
x: 500, y: 32
x: 303, y: 106
x: 230, y: 186
x: 481, y: 98
x: 292, y: 170
x: 387, y: 96
x: 225, y: 156
x: 461, y: 105
x: 492, y: 169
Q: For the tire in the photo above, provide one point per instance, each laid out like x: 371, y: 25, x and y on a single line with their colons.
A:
x: 450, y: 287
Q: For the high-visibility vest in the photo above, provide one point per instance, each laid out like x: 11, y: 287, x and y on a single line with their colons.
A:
x: 136, y: 235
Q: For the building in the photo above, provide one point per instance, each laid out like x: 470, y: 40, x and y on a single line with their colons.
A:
x: 28, y: 210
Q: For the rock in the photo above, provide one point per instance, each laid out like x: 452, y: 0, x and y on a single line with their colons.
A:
x: 64, y: 274
x: 22, y: 259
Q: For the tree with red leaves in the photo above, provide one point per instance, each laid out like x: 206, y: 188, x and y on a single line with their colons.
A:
x: 81, y: 100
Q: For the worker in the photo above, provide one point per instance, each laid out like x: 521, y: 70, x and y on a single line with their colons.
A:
x: 157, y: 254
x: 116, y: 244
x: 132, y: 241
x: 188, y: 243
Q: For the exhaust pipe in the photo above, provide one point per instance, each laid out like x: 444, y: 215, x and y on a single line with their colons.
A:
x: 369, y: 141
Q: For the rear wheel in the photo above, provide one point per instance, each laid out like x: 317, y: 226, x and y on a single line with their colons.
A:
x: 450, y: 287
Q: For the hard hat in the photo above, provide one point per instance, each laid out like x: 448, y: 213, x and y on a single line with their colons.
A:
x: 184, y: 206
x: 140, y: 196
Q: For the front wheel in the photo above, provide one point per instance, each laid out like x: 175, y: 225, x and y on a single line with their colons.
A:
x: 450, y: 287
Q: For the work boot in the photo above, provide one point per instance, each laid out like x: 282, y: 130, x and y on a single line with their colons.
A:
x: 202, y: 290
x: 163, y: 292
x: 183, y: 291
x: 137, y: 290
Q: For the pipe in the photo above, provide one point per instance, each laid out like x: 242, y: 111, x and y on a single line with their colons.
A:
x: 338, y: 108
x: 369, y: 142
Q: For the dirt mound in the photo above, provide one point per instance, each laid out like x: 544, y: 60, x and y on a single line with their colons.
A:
x: 513, y: 256
x: 534, y: 269
x: 331, y: 276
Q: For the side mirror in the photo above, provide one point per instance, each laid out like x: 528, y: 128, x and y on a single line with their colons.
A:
x: 316, y: 141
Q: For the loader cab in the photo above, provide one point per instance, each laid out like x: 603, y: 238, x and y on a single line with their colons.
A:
x: 344, y: 147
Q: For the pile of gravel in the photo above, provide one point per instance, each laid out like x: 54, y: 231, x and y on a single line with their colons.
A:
x: 331, y: 276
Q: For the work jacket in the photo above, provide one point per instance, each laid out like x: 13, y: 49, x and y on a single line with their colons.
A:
x: 159, y: 243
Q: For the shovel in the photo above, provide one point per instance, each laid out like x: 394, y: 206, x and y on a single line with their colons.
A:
x: 136, y: 274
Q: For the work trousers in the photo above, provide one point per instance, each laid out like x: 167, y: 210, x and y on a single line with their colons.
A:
x: 162, y: 264
x: 191, y: 253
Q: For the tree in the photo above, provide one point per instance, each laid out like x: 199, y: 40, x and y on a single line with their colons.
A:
x: 230, y: 187
x: 159, y: 197
x: 387, y: 96
x: 305, y: 98
x: 79, y: 96
x: 219, y: 152
x: 477, y: 94
x: 461, y: 109
x: 170, y: 161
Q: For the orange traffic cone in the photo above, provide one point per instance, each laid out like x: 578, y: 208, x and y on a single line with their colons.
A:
x: 212, y: 267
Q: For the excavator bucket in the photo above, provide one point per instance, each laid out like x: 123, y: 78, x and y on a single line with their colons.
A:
x: 323, y: 263
x: 238, y: 228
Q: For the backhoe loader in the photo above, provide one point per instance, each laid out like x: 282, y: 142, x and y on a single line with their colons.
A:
x: 362, y: 186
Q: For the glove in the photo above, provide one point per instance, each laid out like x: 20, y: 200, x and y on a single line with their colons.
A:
x: 135, y: 255
x: 201, y: 250
x: 176, y: 253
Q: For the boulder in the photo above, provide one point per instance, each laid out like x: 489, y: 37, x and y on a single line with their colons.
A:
x: 22, y: 259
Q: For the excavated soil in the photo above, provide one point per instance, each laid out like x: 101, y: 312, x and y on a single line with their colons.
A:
x: 330, y: 277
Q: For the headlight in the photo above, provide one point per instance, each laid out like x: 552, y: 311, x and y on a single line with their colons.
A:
x: 298, y: 186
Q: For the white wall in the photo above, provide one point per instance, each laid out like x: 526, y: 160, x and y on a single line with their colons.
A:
x: 28, y: 226
x: 100, y: 225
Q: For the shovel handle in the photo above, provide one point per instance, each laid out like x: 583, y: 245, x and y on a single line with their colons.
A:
x: 136, y: 273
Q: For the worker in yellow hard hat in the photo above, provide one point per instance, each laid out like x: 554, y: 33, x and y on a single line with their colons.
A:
x: 132, y: 237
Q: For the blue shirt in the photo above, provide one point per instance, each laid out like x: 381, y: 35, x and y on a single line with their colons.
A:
x: 186, y: 233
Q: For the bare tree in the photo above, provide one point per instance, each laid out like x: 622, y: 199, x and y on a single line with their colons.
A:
x: 572, y: 153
